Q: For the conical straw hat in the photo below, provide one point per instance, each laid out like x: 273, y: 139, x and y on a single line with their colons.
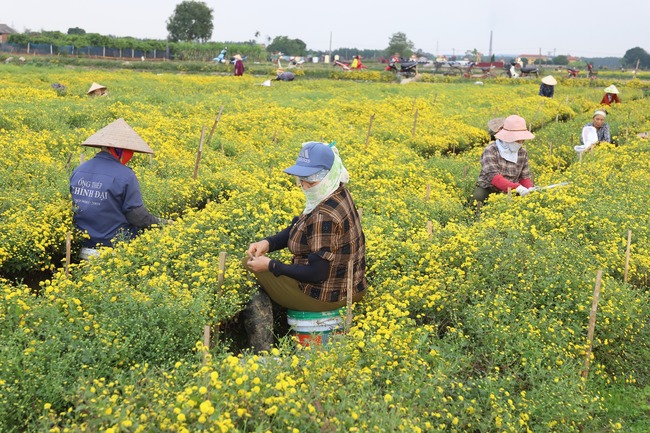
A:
x: 494, y: 125
x: 94, y: 87
x: 118, y: 134
x: 549, y: 80
x: 611, y: 89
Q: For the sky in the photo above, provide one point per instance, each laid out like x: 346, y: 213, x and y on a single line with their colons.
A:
x: 596, y: 28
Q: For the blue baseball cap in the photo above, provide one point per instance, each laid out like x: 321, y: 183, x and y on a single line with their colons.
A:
x: 314, y: 157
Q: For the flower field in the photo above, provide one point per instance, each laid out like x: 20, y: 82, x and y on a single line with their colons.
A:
x: 473, y: 322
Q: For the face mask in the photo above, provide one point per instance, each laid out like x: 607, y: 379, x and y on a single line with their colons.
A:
x: 508, y: 150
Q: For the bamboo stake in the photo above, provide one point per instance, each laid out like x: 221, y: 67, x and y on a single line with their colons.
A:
x: 415, y: 124
x: 67, y: 163
x: 198, y: 154
x: 509, y: 193
x: 222, y: 269
x: 206, y: 342
x: 214, y: 126
x: 627, y: 255
x: 592, y: 323
x: 350, y: 288
x: 275, y: 138
x: 428, y: 194
x: 82, y: 158
x: 68, y: 245
x: 372, y: 117
x: 430, y: 229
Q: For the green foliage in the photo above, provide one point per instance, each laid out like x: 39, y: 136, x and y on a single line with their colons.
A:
x: 76, y: 31
x: 561, y: 60
x: 399, y: 43
x: 293, y: 47
x: 191, y: 21
x: 634, y: 55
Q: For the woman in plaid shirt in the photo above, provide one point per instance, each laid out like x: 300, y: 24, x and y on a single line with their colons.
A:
x: 326, y: 240
x: 504, y: 162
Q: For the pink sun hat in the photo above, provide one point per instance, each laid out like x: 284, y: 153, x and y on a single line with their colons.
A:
x: 514, y: 129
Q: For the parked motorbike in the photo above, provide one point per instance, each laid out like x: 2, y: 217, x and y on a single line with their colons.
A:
x: 406, y: 68
x: 221, y: 58
x: 511, y: 71
x: 572, y: 73
x: 529, y: 70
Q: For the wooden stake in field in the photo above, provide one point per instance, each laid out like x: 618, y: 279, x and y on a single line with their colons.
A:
x: 415, y: 123
x: 222, y: 269
x: 627, y: 255
x: 372, y: 118
x: 430, y: 229
x: 592, y: 323
x: 198, y: 154
x: 275, y: 138
x: 68, y: 247
x: 214, y: 126
x: 428, y: 193
x: 348, y: 299
x: 206, y: 342
x: 509, y: 193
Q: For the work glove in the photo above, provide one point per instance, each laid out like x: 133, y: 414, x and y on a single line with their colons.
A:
x: 522, y: 190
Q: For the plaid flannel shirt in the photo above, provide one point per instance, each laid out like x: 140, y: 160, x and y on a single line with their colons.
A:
x: 333, y: 231
x: 492, y: 164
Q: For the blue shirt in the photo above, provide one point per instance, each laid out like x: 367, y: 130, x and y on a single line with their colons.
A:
x: 103, y: 191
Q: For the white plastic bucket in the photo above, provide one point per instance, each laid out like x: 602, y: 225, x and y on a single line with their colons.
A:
x: 315, y: 327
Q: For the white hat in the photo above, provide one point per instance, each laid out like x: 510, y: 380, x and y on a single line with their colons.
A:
x: 94, y: 87
x: 118, y: 134
x: 549, y: 80
x: 611, y: 89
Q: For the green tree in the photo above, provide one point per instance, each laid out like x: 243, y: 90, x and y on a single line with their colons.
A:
x: 76, y: 31
x: 561, y: 60
x: 399, y: 43
x: 634, y: 55
x: 191, y: 21
x: 292, y: 47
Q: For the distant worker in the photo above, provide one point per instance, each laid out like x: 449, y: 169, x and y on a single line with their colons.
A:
x: 285, y: 76
x: 547, y: 88
x: 239, y: 66
x: 107, y: 202
x: 355, y: 63
x: 611, y: 95
x: 97, y: 90
x: 504, y: 162
x: 596, y: 131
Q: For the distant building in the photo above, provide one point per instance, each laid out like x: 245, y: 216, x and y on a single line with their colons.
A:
x: 532, y: 58
x: 5, y: 31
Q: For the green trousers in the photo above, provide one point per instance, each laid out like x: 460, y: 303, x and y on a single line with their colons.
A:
x: 286, y: 292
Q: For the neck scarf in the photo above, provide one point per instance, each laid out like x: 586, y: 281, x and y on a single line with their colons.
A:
x: 122, y: 155
x: 508, y: 151
x: 334, y: 178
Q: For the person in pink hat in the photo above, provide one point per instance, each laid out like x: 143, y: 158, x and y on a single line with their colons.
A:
x: 504, y: 162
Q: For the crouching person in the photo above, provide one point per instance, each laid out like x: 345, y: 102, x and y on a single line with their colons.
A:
x: 106, y: 198
x: 323, y: 240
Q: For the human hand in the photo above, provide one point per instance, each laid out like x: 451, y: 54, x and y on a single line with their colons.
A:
x: 257, y: 249
x: 522, y: 190
x: 258, y: 264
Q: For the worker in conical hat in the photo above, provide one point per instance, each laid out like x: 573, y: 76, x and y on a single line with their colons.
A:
x: 610, y: 96
x: 106, y: 197
x: 97, y: 90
